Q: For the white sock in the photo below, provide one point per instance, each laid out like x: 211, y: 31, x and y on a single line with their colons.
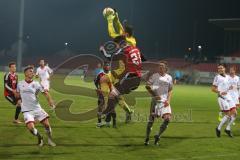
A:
x: 223, y: 121
x: 35, y: 131
x: 220, y: 114
x: 230, y: 123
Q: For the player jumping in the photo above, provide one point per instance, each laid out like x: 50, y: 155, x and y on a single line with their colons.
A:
x: 222, y: 86
x: 128, y: 72
x: 44, y: 72
x: 10, y: 86
x: 116, y: 29
x: 159, y: 86
x: 31, y: 109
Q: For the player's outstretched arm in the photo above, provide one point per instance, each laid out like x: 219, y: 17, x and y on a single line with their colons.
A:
x: 117, y: 24
x: 111, y: 30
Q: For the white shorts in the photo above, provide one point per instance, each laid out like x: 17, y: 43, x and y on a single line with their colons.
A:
x: 160, y: 110
x: 45, y: 84
x: 35, y: 115
x: 235, y: 100
x: 226, y: 104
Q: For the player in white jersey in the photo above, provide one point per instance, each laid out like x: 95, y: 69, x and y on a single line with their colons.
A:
x: 159, y: 86
x: 31, y: 109
x: 235, y: 83
x: 222, y: 86
x: 44, y: 72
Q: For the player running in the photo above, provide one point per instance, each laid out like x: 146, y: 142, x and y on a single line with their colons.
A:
x: 10, y: 86
x: 160, y: 87
x: 235, y: 83
x: 44, y: 72
x: 222, y: 86
x: 31, y: 109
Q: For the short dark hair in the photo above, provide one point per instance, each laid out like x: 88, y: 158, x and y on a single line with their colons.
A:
x: 119, y: 39
x: 11, y: 63
x: 28, y: 67
x: 129, y: 29
x: 222, y: 64
x: 106, y: 63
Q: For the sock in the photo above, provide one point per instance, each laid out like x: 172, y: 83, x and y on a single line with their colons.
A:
x: 114, y: 116
x: 99, y: 117
x: 163, y: 127
x: 108, y: 117
x: 149, y: 128
x: 35, y: 132
x: 48, y: 131
x: 223, y: 121
x: 17, y: 112
x: 232, y: 119
x: 124, y: 105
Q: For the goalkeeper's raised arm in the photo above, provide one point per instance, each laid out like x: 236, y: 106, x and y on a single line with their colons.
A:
x: 115, y: 29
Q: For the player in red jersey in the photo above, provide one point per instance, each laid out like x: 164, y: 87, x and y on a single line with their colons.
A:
x: 128, y: 71
x: 10, y: 86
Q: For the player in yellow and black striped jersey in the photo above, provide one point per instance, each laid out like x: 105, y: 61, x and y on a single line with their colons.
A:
x: 104, y: 83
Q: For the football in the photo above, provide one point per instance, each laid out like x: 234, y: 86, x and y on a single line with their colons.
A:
x: 108, y: 11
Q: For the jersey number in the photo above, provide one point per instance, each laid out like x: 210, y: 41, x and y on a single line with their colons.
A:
x: 135, y: 58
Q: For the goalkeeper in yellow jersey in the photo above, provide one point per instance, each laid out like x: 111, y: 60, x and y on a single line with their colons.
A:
x: 116, y: 29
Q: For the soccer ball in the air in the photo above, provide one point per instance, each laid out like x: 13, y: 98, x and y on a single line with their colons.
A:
x: 108, y: 11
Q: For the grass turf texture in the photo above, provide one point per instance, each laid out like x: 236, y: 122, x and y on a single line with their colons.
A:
x: 191, y: 135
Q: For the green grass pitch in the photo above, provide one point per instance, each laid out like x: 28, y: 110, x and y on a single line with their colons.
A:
x: 191, y: 135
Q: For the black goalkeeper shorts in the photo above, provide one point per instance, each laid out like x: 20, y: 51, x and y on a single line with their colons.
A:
x: 128, y: 83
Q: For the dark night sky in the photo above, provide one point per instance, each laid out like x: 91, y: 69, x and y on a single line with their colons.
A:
x: 162, y: 27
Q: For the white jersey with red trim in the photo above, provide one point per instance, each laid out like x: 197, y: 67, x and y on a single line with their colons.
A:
x: 235, y: 83
x: 28, y: 92
x: 161, y: 85
x: 44, y: 73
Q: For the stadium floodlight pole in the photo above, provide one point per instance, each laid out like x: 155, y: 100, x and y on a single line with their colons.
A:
x: 20, y: 35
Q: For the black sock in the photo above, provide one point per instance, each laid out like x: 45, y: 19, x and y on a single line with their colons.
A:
x: 35, y: 132
x: 114, y: 116
x: 99, y: 120
x: 149, y: 128
x: 163, y: 127
x: 17, y: 112
x: 108, y: 117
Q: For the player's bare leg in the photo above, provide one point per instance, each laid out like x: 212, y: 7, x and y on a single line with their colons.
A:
x: 163, y: 127
x: 48, y: 130
x: 225, y: 118
x: 35, y: 132
x: 17, y: 112
x: 233, y: 114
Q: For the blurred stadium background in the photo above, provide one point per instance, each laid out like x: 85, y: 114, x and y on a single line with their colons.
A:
x: 192, y: 36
